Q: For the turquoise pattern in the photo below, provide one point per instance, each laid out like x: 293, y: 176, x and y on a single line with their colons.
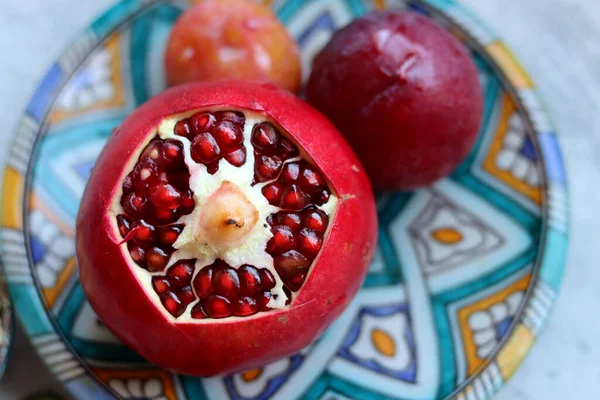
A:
x: 462, y: 282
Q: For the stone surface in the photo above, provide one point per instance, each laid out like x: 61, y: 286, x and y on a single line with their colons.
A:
x: 556, y: 40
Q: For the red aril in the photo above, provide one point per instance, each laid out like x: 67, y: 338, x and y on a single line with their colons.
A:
x: 229, y: 271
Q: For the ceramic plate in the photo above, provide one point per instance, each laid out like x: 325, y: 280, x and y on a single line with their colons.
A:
x: 462, y: 281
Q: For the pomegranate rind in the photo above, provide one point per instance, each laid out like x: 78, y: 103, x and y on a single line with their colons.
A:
x: 232, y: 344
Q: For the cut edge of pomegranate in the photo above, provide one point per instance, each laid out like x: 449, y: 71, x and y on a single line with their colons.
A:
x: 203, y: 185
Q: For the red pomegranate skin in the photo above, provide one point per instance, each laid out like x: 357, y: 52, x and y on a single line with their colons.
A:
x: 404, y: 92
x: 229, y: 345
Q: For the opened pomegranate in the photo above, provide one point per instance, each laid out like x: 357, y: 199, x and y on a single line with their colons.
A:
x: 225, y: 225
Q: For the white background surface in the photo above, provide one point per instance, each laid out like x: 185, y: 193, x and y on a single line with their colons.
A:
x: 558, y: 41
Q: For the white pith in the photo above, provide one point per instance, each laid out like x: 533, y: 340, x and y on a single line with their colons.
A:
x: 250, y: 251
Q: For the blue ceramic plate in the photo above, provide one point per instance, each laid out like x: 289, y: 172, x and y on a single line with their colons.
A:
x: 462, y: 282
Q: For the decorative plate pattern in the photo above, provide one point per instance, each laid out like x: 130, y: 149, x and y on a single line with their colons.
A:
x: 464, y: 277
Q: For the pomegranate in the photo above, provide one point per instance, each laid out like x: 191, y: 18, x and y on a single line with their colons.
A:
x: 232, y: 39
x: 215, y: 234
x: 404, y: 92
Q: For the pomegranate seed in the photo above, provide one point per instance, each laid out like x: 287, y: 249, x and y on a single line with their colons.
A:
x: 198, y: 312
x: 311, y: 180
x: 235, y: 117
x: 237, y: 158
x: 202, y: 282
x: 186, y: 295
x: 144, y: 176
x: 165, y: 195
x: 263, y: 300
x: 128, y: 184
x: 143, y: 233
x: 138, y: 254
x: 202, y: 122
x: 172, y: 304
x: 267, y: 167
x: 272, y: 192
x: 282, y: 240
x: 245, y: 306
x: 152, y: 152
x: 293, y: 198
x: 157, y: 259
x: 217, y: 306
x: 124, y: 224
x: 205, y: 149
x: 134, y: 205
x: 226, y: 282
x: 309, y: 243
x: 166, y: 215
x: 292, y: 267
x: 179, y: 179
x: 187, y: 203
x: 181, y: 273
x: 286, y: 149
x: 271, y: 220
x: 291, y: 220
x: 213, y: 167
x: 160, y: 284
x: 228, y: 135
x: 183, y: 128
x: 288, y: 294
x: 173, y: 153
x: 290, y: 173
x: 315, y: 219
x: 264, y: 138
x: 169, y: 234
x: 322, y: 197
x: 250, y: 283
x: 267, y: 279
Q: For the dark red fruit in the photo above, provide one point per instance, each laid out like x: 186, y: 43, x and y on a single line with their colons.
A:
x: 404, y: 92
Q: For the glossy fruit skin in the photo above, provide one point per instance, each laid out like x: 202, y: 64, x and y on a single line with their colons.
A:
x: 225, y: 346
x: 404, y: 92
x: 232, y: 39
